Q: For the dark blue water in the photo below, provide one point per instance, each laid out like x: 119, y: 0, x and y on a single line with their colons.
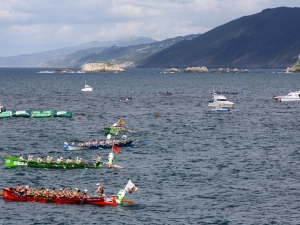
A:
x: 200, y: 168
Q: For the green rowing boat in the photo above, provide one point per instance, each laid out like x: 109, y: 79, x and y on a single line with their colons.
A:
x: 62, y: 114
x: 6, y: 114
x: 41, y: 114
x: 24, y: 113
x: 12, y: 161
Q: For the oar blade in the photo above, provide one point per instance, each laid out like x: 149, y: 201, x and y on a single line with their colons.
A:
x: 128, y: 201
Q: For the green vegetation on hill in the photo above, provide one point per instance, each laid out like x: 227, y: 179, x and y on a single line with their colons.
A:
x: 269, y: 39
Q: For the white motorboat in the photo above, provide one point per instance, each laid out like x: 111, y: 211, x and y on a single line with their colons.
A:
x: 292, y: 96
x: 87, y: 88
x: 220, y: 100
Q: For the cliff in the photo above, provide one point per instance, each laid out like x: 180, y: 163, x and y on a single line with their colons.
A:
x: 100, y: 67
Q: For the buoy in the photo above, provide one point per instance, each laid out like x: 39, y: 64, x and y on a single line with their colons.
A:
x: 156, y: 115
x: 79, y: 117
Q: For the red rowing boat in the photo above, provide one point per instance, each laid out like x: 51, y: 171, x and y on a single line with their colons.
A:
x: 10, y: 194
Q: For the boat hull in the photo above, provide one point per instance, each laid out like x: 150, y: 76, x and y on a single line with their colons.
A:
x: 77, y: 147
x: 224, y: 105
x: 12, y: 161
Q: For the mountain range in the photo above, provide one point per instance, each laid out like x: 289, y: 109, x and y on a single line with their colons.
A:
x: 37, y: 59
x: 269, y: 39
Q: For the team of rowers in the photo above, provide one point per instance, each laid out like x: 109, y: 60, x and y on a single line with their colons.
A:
x: 59, y: 160
x: 62, y: 193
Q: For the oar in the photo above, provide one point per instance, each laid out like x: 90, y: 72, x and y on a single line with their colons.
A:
x: 1, y: 193
x: 128, y: 201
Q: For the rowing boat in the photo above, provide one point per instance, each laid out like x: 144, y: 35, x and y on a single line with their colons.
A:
x: 67, y: 114
x: 79, y: 146
x: 12, y: 161
x: 23, y: 113
x: 10, y: 194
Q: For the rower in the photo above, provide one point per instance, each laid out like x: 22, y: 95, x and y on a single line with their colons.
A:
x: 21, y: 157
x: 47, y: 193
x: 59, y: 193
x: 75, y: 193
x: 81, y: 161
x: 58, y: 161
x: 65, y: 192
x: 48, y: 160
x: 77, y: 161
x: 62, y: 160
x: 124, y: 137
x: 98, y: 159
x: 42, y: 192
x: 37, y: 192
x: 99, y: 190
x: 85, y: 194
x: 52, y: 192
x: 71, y: 195
x: 79, y: 194
x: 18, y: 188
x: 69, y: 160
x: 30, y: 191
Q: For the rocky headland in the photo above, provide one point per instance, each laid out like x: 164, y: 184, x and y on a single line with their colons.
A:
x: 295, y: 68
x: 201, y: 69
x: 172, y: 70
x: 101, y: 67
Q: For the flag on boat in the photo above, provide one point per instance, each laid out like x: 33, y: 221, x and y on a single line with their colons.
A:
x: 120, y: 122
x: 115, y: 149
x: 130, y: 187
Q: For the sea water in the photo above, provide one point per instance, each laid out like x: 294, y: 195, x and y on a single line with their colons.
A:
x: 191, y: 165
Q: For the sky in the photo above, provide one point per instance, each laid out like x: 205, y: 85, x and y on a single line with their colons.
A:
x: 31, y: 26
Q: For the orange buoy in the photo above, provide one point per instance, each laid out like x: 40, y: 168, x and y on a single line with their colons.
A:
x: 79, y: 117
x: 156, y: 115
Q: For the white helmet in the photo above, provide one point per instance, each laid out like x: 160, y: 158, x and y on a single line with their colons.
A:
x: 115, y: 124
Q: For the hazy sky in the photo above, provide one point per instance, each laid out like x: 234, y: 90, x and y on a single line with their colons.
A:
x: 29, y: 26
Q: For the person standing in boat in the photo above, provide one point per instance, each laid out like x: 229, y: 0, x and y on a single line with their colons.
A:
x: 99, y: 190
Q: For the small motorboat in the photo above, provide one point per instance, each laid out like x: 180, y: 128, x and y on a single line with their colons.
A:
x: 292, y: 96
x: 128, y: 99
x: 87, y: 88
x: 220, y: 100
